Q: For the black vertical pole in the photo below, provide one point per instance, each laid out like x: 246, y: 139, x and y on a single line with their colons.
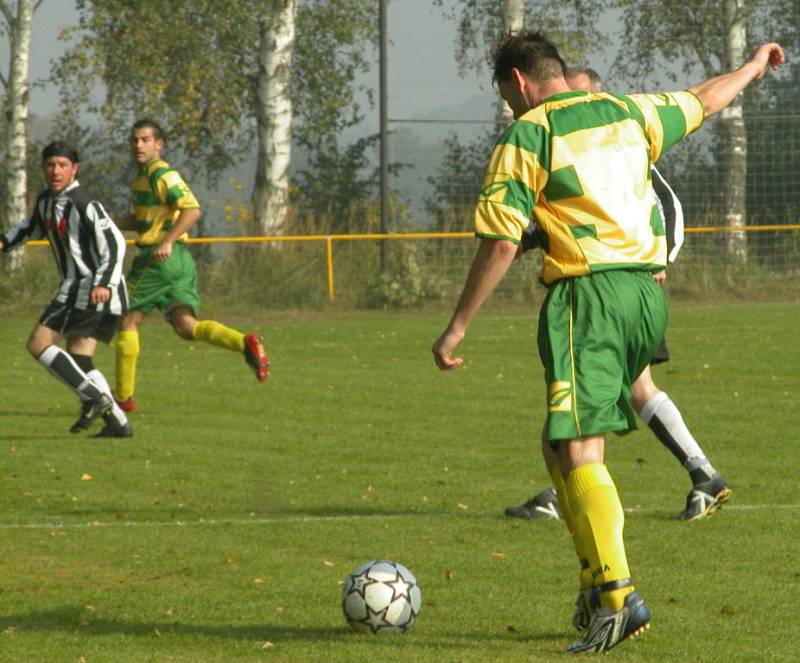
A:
x: 384, y: 134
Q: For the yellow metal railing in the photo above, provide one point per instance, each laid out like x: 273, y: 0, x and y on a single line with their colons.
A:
x: 330, y: 239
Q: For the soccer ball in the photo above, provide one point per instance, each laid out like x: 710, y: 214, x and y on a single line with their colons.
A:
x: 381, y: 597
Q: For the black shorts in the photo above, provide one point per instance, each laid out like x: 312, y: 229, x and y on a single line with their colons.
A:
x: 661, y: 354
x: 71, y: 321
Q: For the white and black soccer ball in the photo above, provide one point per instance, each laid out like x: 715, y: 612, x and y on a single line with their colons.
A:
x: 381, y: 597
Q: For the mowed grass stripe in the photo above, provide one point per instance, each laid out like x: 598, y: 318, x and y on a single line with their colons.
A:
x: 248, y: 522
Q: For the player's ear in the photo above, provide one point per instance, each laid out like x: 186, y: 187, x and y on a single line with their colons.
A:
x: 518, y: 77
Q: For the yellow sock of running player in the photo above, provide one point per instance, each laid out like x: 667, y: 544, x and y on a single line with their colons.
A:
x: 566, y: 513
x: 598, y: 520
x: 127, y: 354
x: 218, y: 334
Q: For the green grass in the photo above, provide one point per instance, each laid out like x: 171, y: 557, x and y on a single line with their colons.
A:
x: 233, y: 515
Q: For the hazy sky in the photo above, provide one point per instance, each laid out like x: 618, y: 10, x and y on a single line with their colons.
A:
x: 422, y: 70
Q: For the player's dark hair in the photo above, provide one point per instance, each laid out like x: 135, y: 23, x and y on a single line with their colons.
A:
x: 530, y: 52
x: 595, y: 78
x: 147, y: 123
x: 58, y: 148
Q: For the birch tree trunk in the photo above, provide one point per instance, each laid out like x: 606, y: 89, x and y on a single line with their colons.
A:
x: 734, y: 140
x: 16, y: 110
x: 513, y: 19
x: 274, y: 115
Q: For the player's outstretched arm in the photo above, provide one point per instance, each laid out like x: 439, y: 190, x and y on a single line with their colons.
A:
x: 489, y: 265
x: 716, y: 93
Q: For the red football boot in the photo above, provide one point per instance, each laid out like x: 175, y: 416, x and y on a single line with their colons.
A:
x: 255, y: 356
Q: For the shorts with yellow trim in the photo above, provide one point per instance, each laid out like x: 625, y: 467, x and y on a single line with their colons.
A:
x: 163, y: 285
x: 597, y: 333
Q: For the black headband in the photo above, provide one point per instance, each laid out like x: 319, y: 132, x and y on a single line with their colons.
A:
x: 57, y: 150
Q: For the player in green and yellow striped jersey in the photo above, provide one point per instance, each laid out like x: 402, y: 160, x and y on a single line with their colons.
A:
x: 163, y: 274
x: 579, y: 165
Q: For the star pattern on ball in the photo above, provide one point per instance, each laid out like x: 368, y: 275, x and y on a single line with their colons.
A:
x: 359, y: 583
x: 374, y: 619
x: 400, y: 588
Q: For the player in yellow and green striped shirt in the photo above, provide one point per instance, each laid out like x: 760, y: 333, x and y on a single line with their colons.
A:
x: 163, y: 274
x: 579, y: 165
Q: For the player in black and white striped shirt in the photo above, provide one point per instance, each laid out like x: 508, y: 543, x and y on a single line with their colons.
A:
x: 89, y: 251
x: 655, y: 407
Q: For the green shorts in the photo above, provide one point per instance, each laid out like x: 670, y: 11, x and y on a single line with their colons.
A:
x: 596, y: 335
x: 163, y: 285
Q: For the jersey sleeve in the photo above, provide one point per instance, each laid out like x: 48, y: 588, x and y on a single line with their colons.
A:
x: 110, y: 245
x: 514, y: 178
x: 668, y: 117
x: 174, y: 192
x: 22, y: 232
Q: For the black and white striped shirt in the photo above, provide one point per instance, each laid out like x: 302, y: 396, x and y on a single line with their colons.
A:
x: 88, y: 247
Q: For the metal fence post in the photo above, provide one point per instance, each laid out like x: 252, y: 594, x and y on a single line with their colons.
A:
x: 329, y: 260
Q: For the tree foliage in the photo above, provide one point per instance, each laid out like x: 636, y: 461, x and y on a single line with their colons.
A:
x: 180, y: 62
x: 191, y: 64
x: 692, y: 34
x: 572, y: 25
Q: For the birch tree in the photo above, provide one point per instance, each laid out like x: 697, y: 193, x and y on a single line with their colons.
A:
x: 712, y: 37
x: 513, y: 19
x: 216, y: 74
x: 733, y: 135
x: 18, y: 26
x: 274, y: 115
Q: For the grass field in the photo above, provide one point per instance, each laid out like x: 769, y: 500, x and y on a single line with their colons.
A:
x: 223, y: 529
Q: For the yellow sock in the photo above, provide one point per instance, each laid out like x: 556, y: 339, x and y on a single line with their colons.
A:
x: 127, y: 354
x: 598, y: 521
x: 566, y: 513
x: 218, y: 334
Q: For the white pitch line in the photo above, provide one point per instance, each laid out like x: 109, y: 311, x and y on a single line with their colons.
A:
x: 316, y: 519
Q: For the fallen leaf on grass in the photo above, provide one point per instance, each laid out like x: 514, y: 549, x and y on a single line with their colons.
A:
x: 448, y: 574
x: 327, y: 563
x: 86, y: 477
x: 268, y: 645
x: 498, y: 554
x: 258, y: 581
x: 461, y: 506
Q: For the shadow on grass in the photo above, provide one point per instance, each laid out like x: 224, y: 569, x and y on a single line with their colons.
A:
x: 74, y: 620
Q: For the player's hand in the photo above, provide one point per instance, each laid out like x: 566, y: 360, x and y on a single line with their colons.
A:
x: 660, y: 277
x: 444, y: 347
x: 163, y: 252
x: 99, y: 295
x: 767, y: 55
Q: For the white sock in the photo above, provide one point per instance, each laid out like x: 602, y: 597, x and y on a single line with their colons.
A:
x: 100, y: 380
x: 62, y: 366
x: 664, y: 418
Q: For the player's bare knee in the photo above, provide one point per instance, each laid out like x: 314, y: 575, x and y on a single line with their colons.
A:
x: 183, y: 326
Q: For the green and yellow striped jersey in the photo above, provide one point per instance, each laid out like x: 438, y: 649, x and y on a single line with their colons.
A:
x: 579, y: 165
x: 159, y: 196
